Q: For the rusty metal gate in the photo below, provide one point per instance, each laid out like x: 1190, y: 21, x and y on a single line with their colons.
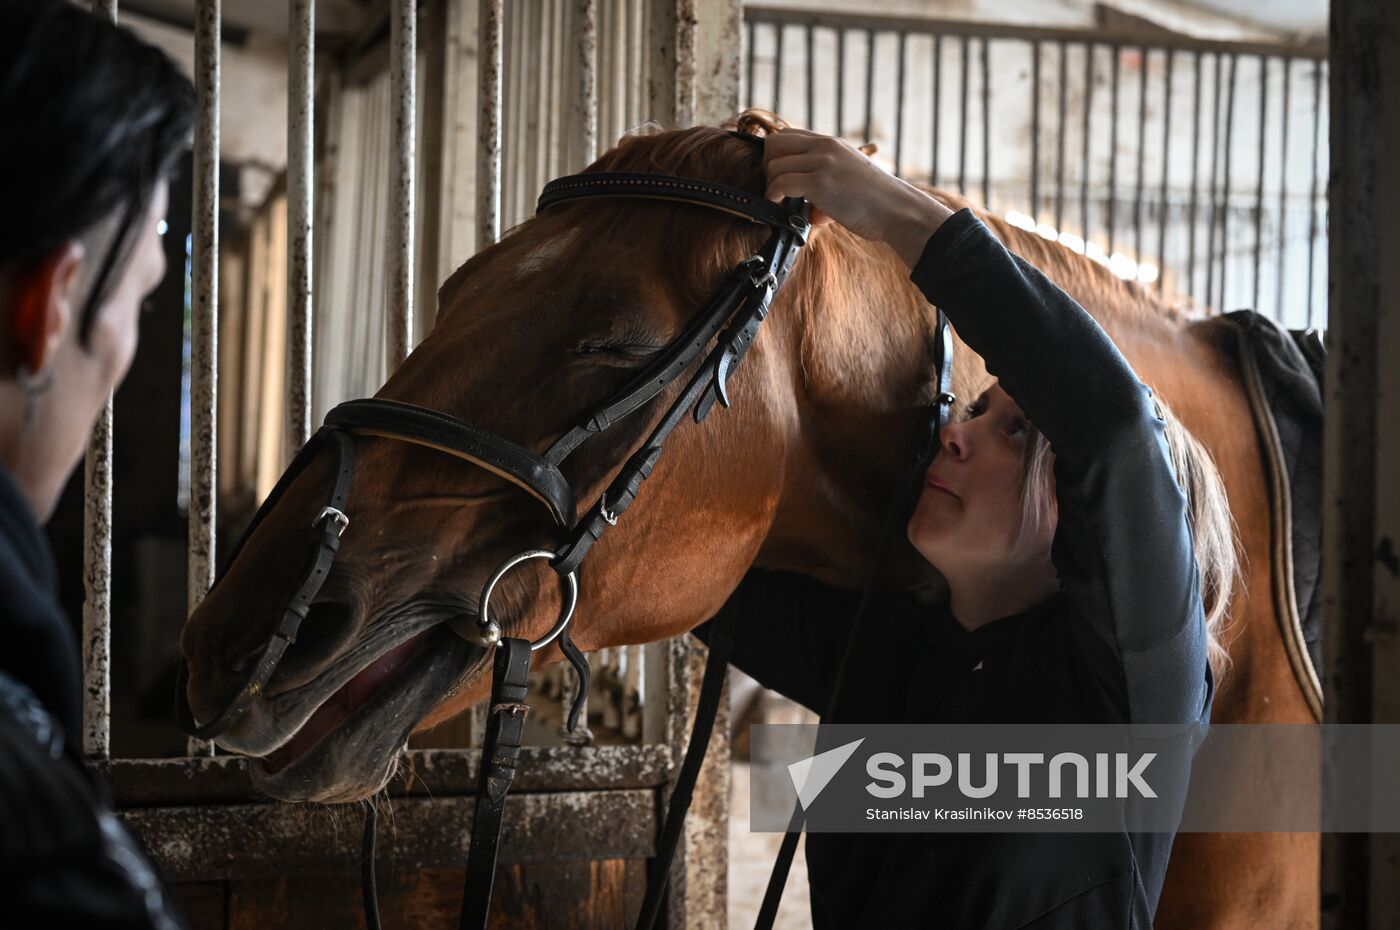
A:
x: 426, y: 140
x: 1197, y: 167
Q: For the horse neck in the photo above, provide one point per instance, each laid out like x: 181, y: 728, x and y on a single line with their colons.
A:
x: 858, y: 339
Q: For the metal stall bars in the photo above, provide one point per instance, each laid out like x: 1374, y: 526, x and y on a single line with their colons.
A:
x: 97, y: 563
x: 1116, y: 90
x: 403, y: 56
x: 169, y: 801
x: 301, y: 105
x: 204, y: 313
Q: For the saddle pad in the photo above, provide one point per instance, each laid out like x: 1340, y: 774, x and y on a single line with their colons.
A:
x: 1283, y: 376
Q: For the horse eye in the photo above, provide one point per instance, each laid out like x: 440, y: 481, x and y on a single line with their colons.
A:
x: 618, y: 350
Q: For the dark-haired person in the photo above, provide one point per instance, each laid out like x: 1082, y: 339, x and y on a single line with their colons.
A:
x: 1089, y: 555
x: 91, y: 120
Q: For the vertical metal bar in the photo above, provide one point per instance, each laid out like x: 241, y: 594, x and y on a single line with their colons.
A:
x: 1164, y: 209
x: 1141, y: 153
x: 1063, y: 128
x: 491, y: 63
x: 903, y: 39
x: 962, y: 120
x: 684, y: 66
x: 811, y: 76
x: 751, y: 33
x: 545, y: 103
x: 97, y: 588
x: 511, y: 98
x: 1195, y: 177
x: 937, y: 106
x: 628, y: 90
x: 301, y: 82
x: 1259, y: 194
x: 869, y: 83
x: 840, y: 82
x: 1214, y: 181
x: 1112, y: 201
x: 1035, y: 129
x: 97, y: 562
x: 204, y: 315
x: 565, y: 91
x: 1287, y: 64
x: 777, y: 68
x: 632, y: 692
x: 1088, y: 111
x: 986, y: 123
x: 1225, y: 193
x: 588, y: 78
x: 527, y: 157
x: 403, y: 44
x: 1312, y: 194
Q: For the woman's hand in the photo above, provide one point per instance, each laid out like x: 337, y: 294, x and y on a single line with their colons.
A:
x: 846, y: 186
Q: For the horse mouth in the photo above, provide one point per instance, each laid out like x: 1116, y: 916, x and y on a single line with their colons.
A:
x: 349, y: 698
x: 346, y: 749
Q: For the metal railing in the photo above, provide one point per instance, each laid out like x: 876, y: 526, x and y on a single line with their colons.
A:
x: 1193, y: 166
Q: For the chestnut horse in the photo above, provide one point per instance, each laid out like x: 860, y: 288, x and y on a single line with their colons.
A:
x: 553, y: 318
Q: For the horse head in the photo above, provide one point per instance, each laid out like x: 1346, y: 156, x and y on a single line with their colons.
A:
x: 530, y: 333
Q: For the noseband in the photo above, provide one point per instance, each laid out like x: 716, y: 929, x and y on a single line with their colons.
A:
x: 730, y: 321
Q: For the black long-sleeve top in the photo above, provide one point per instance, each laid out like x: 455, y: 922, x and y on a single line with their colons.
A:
x: 65, y: 859
x: 1124, y: 640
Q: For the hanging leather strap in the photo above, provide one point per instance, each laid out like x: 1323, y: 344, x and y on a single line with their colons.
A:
x: 505, y: 726
x: 711, y: 688
x: 925, y: 447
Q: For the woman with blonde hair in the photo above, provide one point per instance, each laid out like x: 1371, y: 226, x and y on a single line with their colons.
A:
x: 1089, y: 557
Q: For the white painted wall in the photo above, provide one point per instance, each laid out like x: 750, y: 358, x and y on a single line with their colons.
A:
x: 253, y: 109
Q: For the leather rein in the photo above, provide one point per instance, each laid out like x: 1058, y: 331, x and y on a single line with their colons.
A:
x: 730, y: 320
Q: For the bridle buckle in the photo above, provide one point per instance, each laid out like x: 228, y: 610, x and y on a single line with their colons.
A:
x: 338, y: 517
x: 609, y: 514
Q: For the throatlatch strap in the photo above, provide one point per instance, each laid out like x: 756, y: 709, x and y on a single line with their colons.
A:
x: 499, y: 757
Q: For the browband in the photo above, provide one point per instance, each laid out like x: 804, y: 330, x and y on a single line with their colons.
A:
x: 731, y: 200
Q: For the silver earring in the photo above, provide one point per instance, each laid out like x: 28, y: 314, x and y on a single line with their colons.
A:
x: 33, y: 386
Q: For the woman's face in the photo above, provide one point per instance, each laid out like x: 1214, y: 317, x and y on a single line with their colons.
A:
x: 968, y: 517
x: 84, y: 376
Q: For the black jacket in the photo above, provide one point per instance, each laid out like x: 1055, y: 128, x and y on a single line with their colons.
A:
x: 65, y: 859
x: 1123, y: 641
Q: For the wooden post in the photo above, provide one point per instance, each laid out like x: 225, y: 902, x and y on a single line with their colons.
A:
x: 693, y: 76
x: 1361, y: 465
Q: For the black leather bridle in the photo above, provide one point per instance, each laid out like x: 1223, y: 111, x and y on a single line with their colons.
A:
x: 730, y: 321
